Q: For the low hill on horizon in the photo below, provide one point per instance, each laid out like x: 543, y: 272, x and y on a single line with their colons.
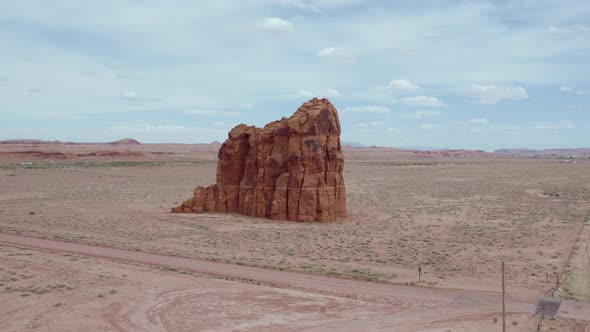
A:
x: 352, y: 148
x: 560, y: 152
x: 124, y: 141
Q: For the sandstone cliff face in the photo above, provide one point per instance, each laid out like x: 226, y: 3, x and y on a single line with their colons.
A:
x: 289, y: 170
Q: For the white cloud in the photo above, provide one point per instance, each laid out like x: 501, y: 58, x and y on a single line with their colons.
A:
x: 247, y: 105
x: 332, y: 93
x: 328, y: 93
x: 143, y: 128
x: 478, y: 121
x: 555, y: 29
x: 299, y: 4
x: 565, y: 88
x: 305, y: 93
x: 423, y: 114
x: 393, y: 129
x: 208, y: 112
x: 578, y: 31
x: 133, y: 97
x: 385, y: 110
x: 317, y: 6
x: 369, y: 124
x: 220, y: 124
x: 420, y: 101
x: 427, y: 126
x: 553, y: 125
x: 276, y: 24
x: 399, y: 86
x: 368, y: 109
x: 339, y: 55
x: 409, y: 51
x: 492, y: 94
x: 581, y: 92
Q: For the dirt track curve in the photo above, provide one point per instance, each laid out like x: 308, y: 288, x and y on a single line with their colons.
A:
x: 480, y: 302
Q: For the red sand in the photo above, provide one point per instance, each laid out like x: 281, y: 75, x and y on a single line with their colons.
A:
x: 455, y: 217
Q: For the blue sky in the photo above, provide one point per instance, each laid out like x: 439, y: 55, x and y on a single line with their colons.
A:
x: 450, y: 74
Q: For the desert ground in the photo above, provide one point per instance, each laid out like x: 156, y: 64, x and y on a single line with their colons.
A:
x: 455, y: 217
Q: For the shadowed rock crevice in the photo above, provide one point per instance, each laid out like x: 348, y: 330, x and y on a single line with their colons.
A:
x: 290, y: 169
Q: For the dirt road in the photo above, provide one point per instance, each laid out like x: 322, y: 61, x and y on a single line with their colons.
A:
x: 453, y: 304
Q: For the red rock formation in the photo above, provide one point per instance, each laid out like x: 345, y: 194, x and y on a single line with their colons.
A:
x: 289, y: 170
x: 126, y: 141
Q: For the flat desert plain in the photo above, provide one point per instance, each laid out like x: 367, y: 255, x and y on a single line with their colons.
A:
x: 455, y: 218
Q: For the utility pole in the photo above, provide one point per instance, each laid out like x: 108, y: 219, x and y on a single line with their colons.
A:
x: 503, y: 301
x: 419, y: 274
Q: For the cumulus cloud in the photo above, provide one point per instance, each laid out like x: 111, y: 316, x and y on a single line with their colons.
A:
x: 299, y: 4
x: 421, y: 114
x: 399, y: 86
x: 208, y: 112
x: 385, y: 110
x: 478, y: 121
x: 369, y: 124
x: 328, y: 93
x: 133, y: 97
x: 87, y: 72
x: 339, y: 55
x: 565, y: 88
x: 574, y: 30
x: 420, y: 101
x: 317, y: 5
x: 128, y: 77
x: 581, y: 92
x: 553, y: 125
x: 368, y: 109
x: 427, y: 126
x: 492, y: 94
x: 332, y: 93
x: 220, y: 124
x: 247, y: 105
x: 276, y: 24
x: 143, y: 128
x: 409, y: 51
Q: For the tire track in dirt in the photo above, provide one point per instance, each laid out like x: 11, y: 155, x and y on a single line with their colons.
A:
x: 367, y: 291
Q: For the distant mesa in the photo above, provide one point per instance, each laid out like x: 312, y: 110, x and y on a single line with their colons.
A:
x: 126, y: 141
x: 292, y: 169
x: 546, y: 153
x: 29, y: 141
x: 353, y: 144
